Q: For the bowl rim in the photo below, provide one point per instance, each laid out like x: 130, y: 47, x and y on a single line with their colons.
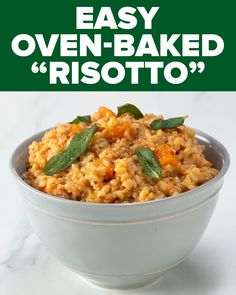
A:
x: 199, y: 135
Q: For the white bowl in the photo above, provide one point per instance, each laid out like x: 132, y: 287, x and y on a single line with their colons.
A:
x: 122, y: 246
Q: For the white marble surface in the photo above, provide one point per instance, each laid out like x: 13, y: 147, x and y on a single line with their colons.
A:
x: 27, y: 268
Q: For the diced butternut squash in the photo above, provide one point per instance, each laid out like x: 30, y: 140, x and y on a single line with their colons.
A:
x: 106, y: 113
x: 119, y: 129
x: 165, y: 155
x: 115, y: 130
x: 75, y: 128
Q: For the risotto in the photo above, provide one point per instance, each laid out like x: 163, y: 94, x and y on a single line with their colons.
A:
x: 118, y: 158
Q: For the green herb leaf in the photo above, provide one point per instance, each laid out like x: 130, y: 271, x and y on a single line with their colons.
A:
x: 78, y: 119
x: 75, y: 149
x: 169, y: 123
x: 149, y: 162
x: 130, y: 108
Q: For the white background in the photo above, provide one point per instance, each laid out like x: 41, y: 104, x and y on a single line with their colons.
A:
x: 26, y: 268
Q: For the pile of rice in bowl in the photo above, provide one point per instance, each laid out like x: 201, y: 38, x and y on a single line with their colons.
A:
x: 118, y: 158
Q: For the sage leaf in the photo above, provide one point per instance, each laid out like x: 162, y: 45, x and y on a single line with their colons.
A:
x: 78, y: 119
x: 75, y: 149
x: 129, y: 108
x: 149, y: 162
x: 167, y: 124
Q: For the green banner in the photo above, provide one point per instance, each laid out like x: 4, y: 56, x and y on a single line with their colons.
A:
x: 117, y: 45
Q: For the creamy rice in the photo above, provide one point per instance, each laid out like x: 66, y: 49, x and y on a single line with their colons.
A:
x: 109, y: 171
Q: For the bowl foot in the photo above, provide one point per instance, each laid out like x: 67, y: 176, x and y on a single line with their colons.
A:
x: 122, y: 282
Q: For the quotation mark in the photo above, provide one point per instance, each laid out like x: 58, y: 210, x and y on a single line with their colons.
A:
x: 36, y: 68
x: 194, y: 66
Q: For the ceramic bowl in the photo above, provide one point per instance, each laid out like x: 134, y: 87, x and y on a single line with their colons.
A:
x: 122, y: 246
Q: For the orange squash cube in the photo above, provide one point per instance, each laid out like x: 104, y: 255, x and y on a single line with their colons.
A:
x: 165, y: 155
